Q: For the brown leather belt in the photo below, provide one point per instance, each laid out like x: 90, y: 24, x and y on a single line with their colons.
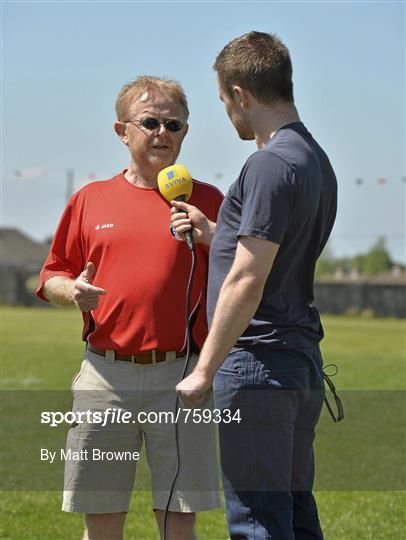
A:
x: 149, y: 357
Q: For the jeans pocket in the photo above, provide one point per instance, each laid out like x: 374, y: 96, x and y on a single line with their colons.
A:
x: 230, y: 371
x: 232, y: 365
x: 288, y: 379
x: 284, y: 390
x: 228, y: 382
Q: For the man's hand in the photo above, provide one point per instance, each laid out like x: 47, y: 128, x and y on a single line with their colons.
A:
x: 202, y: 228
x: 192, y: 389
x: 85, y: 295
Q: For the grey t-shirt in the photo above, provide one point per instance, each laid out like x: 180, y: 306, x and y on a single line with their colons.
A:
x: 286, y: 193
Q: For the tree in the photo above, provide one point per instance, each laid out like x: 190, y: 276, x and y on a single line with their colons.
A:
x: 377, y: 259
x: 358, y: 262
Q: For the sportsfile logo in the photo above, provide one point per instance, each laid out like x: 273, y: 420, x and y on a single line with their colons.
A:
x: 104, y: 226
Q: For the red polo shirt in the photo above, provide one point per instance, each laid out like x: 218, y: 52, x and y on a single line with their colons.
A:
x: 125, y: 231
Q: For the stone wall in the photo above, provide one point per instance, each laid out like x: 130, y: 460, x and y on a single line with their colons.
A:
x: 337, y: 297
x: 380, y: 299
x: 13, y: 287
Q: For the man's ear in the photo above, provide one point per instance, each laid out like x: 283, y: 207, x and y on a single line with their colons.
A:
x: 121, y: 129
x: 241, y: 96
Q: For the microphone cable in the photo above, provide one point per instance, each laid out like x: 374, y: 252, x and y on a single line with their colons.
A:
x: 188, y: 351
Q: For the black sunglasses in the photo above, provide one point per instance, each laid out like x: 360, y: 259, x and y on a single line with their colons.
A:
x: 153, y: 123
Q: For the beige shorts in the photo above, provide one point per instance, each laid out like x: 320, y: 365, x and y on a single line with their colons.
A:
x: 101, y: 460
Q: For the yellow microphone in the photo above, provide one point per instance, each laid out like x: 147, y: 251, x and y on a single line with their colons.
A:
x: 175, y: 181
x: 176, y: 184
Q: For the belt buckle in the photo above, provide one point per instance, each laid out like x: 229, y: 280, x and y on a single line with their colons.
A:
x: 153, y: 353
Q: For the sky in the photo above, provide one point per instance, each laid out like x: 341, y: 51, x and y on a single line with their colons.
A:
x: 63, y: 64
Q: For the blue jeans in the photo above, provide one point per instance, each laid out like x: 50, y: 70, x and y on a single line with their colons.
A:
x: 267, y: 458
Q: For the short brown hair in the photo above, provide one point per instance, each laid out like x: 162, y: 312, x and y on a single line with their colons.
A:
x: 146, y: 83
x: 259, y: 63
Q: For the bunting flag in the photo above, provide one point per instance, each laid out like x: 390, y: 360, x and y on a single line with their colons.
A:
x: 381, y: 181
x: 30, y: 173
x: 41, y: 173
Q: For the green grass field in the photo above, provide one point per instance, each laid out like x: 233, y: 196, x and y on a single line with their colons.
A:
x: 361, y: 462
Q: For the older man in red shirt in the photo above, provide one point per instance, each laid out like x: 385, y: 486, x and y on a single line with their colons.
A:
x: 117, y: 259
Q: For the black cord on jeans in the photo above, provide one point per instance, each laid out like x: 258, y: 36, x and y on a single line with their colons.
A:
x: 188, y: 351
x: 338, y: 401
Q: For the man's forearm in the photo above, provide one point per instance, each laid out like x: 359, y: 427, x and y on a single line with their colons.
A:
x: 237, y: 303
x: 59, y: 290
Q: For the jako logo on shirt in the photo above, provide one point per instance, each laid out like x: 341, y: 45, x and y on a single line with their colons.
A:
x: 104, y: 226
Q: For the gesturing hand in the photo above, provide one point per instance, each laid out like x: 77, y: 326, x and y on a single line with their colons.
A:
x: 85, y: 295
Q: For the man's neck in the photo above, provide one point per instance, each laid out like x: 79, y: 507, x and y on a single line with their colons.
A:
x: 134, y: 176
x: 266, y: 121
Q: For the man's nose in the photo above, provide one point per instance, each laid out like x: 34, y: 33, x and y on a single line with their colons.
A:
x: 161, y: 129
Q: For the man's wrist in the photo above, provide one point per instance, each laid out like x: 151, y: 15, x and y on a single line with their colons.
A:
x: 208, y: 237
x: 205, y: 371
x: 60, y: 291
x: 69, y: 291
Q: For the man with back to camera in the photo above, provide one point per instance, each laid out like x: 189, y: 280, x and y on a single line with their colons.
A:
x: 263, y: 345
x: 116, y: 257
